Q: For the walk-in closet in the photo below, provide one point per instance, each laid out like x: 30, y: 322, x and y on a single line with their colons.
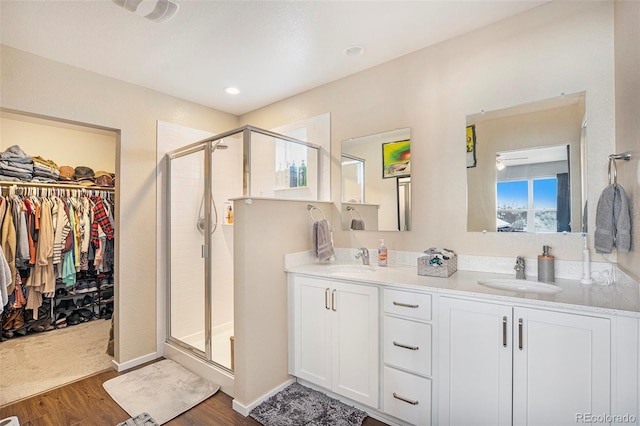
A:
x: 57, y: 245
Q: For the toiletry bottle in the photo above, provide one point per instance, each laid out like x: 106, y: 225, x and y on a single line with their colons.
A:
x: 230, y: 215
x: 293, y: 175
x: 546, y: 267
x: 302, y: 174
x: 382, y: 254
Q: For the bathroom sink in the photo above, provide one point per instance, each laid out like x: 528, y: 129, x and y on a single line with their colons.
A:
x: 521, y: 286
x: 350, y: 268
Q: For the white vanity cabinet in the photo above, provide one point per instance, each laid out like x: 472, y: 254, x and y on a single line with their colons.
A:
x: 503, y: 365
x: 336, y: 336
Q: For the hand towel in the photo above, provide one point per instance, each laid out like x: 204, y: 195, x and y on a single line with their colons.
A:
x: 357, y: 224
x: 604, y: 236
x: 622, y: 219
x: 322, y: 243
x: 613, y: 221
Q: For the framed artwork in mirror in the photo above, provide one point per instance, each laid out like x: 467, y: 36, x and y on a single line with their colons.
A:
x: 471, y: 146
x: 396, y: 159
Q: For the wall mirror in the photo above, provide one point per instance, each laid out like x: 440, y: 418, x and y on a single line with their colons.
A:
x: 376, y: 182
x: 526, y: 167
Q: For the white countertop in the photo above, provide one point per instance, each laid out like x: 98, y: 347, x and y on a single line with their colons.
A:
x: 617, y: 299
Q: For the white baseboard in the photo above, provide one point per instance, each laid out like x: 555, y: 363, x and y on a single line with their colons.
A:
x: 246, y: 409
x: 134, y: 362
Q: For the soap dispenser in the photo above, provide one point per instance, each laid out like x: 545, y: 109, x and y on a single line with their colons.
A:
x: 546, y: 266
x: 382, y: 254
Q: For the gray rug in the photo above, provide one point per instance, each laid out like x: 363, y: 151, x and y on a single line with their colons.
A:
x: 297, y: 405
x: 162, y: 390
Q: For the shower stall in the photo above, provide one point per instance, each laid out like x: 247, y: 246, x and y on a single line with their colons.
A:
x: 203, y: 180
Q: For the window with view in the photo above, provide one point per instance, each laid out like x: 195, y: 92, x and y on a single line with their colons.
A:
x: 528, y: 205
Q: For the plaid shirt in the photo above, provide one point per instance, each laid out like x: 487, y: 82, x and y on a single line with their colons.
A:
x: 100, y: 217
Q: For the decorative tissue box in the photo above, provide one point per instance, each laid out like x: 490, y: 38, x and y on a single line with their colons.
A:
x: 437, y: 264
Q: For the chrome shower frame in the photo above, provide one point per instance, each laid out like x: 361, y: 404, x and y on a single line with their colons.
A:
x: 209, y: 145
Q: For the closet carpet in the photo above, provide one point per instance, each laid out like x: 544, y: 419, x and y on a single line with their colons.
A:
x: 37, y: 362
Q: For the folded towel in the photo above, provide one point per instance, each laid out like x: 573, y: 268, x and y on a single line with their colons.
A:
x: 322, y: 243
x: 613, y: 221
x: 357, y: 224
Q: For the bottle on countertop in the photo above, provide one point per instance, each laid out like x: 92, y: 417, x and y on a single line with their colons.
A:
x: 546, y: 266
x: 382, y: 254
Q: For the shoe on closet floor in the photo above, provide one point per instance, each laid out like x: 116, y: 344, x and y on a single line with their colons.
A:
x: 74, y: 318
x: 85, y: 314
x: 93, y: 286
x: 61, y: 321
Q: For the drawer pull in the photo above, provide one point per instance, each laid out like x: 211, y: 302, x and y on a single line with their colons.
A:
x: 504, y: 332
x: 400, y: 345
x: 408, y: 401
x: 405, y: 305
x: 326, y: 298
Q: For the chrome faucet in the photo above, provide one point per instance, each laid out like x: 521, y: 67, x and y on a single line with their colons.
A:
x: 364, y: 255
x: 520, y: 275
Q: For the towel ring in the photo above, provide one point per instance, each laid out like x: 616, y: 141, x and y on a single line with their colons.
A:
x: 311, y: 208
x: 352, y: 210
x: 612, y: 162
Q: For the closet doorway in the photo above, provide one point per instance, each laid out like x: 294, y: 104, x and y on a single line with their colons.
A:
x: 60, y: 332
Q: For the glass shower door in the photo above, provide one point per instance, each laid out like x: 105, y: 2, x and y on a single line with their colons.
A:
x: 187, y: 296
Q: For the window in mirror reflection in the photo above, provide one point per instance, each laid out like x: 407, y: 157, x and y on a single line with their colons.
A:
x: 543, y: 139
x: 533, y: 190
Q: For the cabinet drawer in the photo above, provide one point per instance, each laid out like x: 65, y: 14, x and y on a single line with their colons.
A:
x: 407, y: 397
x: 407, y: 344
x: 414, y: 305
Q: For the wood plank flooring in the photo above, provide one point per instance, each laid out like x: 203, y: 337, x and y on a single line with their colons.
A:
x: 86, y: 403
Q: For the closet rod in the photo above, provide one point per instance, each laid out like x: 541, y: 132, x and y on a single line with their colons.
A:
x: 55, y: 185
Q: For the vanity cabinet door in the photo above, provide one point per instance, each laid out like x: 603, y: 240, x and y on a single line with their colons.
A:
x: 561, y: 367
x: 355, y: 342
x: 475, y: 364
x: 336, y: 332
x: 312, y: 330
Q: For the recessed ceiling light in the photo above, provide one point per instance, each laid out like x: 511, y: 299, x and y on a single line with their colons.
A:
x: 232, y: 90
x: 354, y: 51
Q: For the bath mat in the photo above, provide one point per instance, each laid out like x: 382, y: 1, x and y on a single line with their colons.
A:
x: 163, y: 390
x: 299, y: 405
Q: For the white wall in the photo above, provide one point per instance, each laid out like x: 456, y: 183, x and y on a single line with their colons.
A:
x: 63, y: 143
x: 627, y: 34
x: 555, y: 48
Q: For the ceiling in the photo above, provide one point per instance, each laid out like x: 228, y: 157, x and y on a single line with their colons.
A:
x: 269, y: 50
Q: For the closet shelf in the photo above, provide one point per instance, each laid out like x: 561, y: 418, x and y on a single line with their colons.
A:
x: 54, y: 185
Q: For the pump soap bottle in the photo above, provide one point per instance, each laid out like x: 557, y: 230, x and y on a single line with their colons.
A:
x: 546, y: 266
x: 382, y: 254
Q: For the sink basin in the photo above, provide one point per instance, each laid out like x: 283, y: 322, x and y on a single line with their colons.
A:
x: 348, y: 268
x: 521, y: 286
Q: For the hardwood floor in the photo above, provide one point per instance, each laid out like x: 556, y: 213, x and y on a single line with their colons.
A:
x: 86, y: 403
